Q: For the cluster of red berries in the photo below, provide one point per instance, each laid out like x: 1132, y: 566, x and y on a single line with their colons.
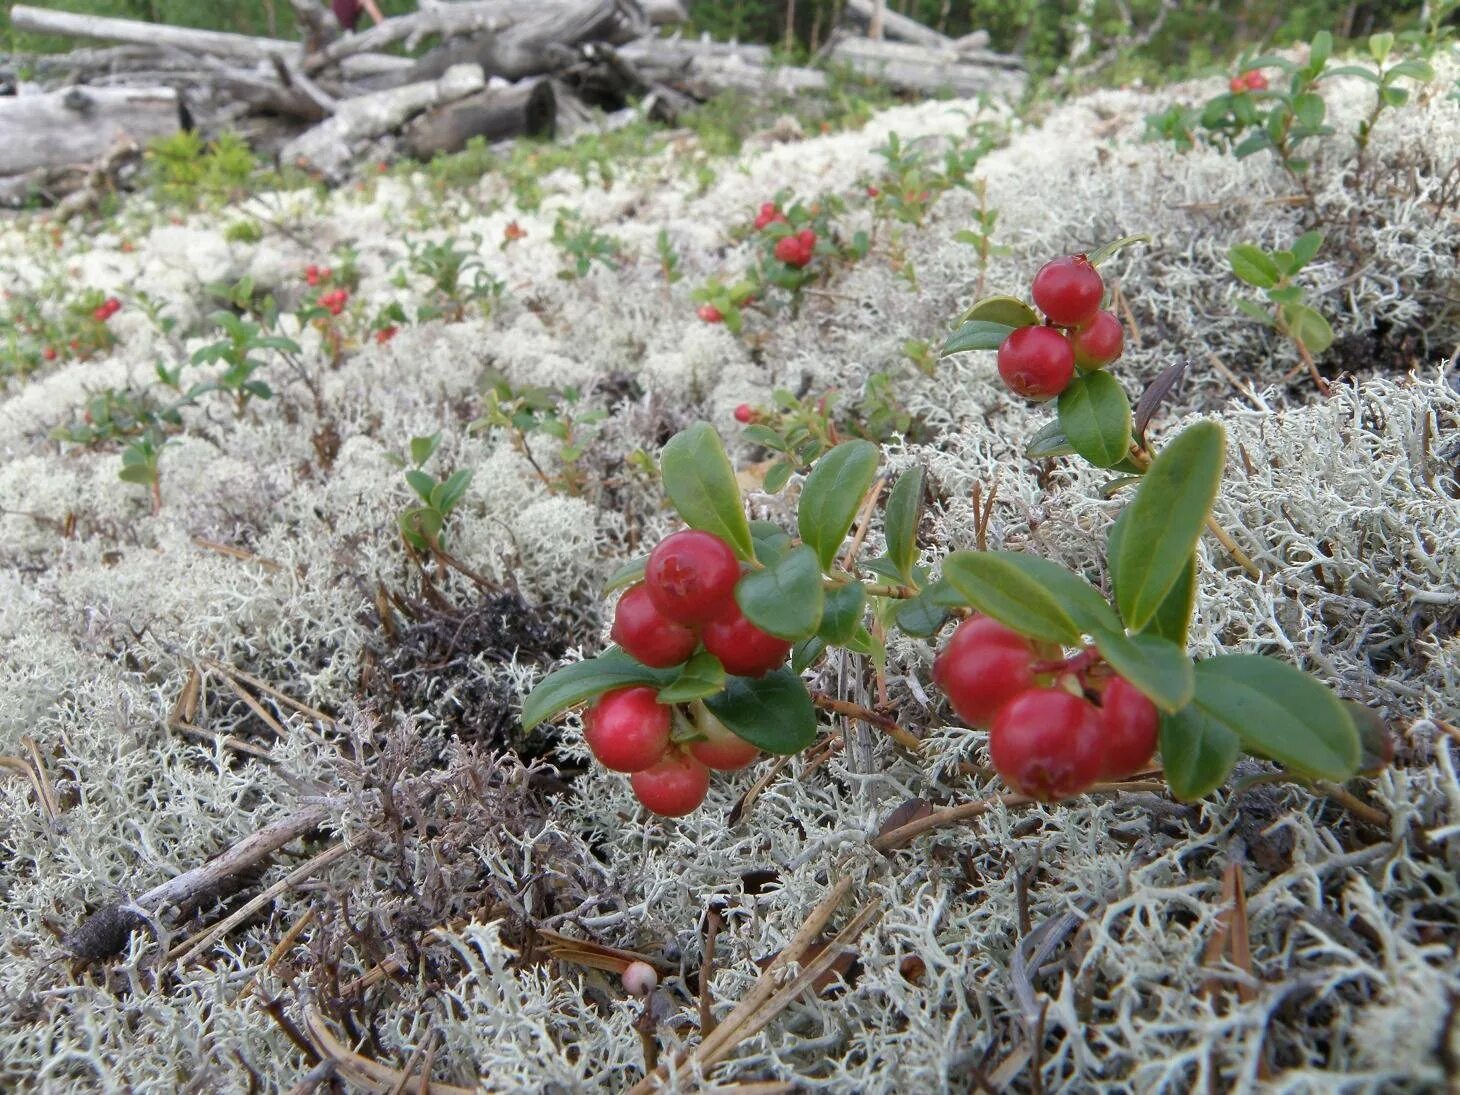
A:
x: 686, y: 600
x: 316, y: 274
x: 770, y: 213
x: 796, y: 250
x: 1056, y: 726
x: 106, y: 309
x: 1251, y: 80
x: 335, y: 301
x: 1038, y: 362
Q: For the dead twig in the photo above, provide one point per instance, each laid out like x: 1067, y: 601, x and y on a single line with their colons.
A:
x: 855, y: 710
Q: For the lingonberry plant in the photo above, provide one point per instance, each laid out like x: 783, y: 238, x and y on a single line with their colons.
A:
x: 1287, y: 312
x: 1073, y: 687
x: 421, y: 526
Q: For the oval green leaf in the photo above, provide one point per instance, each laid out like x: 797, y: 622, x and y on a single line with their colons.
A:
x: 1156, y: 666
x: 1253, y: 265
x: 1095, y: 418
x: 701, y: 676
x: 1172, y: 620
x: 977, y: 334
x: 922, y: 616
x: 1308, y: 327
x: 1015, y: 589
x: 786, y: 599
x: 900, y: 519
x: 573, y: 684
x: 1197, y: 753
x: 1048, y: 441
x: 1108, y: 251
x: 1165, y: 520
x: 1280, y: 713
x: 628, y: 574
x: 1008, y: 311
x: 701, y: 485
x: 831, y: 496
x: 843, y: 612
x: 774, y: 712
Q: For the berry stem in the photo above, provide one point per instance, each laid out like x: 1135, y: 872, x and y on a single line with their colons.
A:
x: 1142, y: 459
x: 855, y: 710
x: 880, y: 590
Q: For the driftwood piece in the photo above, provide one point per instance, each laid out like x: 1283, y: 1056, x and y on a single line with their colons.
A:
x: 928, y: 71
x: 702, y: 69
x: 330, y: 146
x: 79, y: 125
x: 899, y: 28
x: 528, y: 108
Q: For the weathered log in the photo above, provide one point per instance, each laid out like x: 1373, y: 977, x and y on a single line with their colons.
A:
x: 927, y: 71
x: 449, y: 20
x: 329, y: 146
x: 703, y: 69
x: 79, y: 125
x: 897, y: 27
x: 528, y: 108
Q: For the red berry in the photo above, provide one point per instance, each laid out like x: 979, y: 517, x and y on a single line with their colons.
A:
x: 627, y: 729
x: 984, y: 666
x: 49, y: 353
x: 872, y: 191
x: 1068, y: 290
x: 113, y: 305
x: 1099, y: 342
x: 769, y: 214
x: 1130, y: 723
x: 1047, y: 744
x: 100, y: 314
x: 794, y: 251
x: 743, y: 413
x: 720, y: 749
x: 743, y: 649
x: 648, y: 635
x: 1236, y: 85
x: 385, y: 334
x: 1253, y: 80
x: 1037, y: 362
x: 710, y: 314
x: 673, y: 787
x: 691, y: 576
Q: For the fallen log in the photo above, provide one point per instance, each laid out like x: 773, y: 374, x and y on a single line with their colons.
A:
x: 330, y: 146
x: 928, y: 71
x: 525, y: 109
x: 79, y: 125
x: 702, y: 69
x: 897, y: 27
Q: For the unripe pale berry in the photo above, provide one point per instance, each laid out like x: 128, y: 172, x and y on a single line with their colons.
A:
x: 691, y: 576
x: 1037, y: 362
x: 983, y: 666
x: 640, y: 978
x: 649, y: 635
x: 627, y: 730
x: 674, y: 787
x: 1099, y: 342
x: 1046, y: 743
x: 1130, y: 723
x: 720, y: 748
x: 743, y: 649
x: 1068, y: 290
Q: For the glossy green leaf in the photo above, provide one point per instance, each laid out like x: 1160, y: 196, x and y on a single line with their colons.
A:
x: 1197, y: 753
x: 786, y: 599
x: 701, y: 676
x: 977, y: 334
x: 1048, y: 441
x: 900, y: 518
x: 629, y: 574
x: 774, y: 712
x: 701, y: 484
x: 831, y: 496
x: 923, y: 615
x: 1173, y: 619
x: 776, y: 476
x: 1095, y: 417
x: 1165, y: 520
x: 1253, y: 265
x: 1280, y: 713
x: 843, y: 612
x: 1014, y: 589
x: 1156, y: 666
x: 1008, y: 311
x: 1108, y: 251
x: 771, y: 542
x: 764, y: 436
x: 1308, y: 326
x: 805, y: 653
x: 581, y: 681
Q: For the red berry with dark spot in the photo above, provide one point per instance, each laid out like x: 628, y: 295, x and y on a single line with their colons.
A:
x: 1098, y: 342
x: 983, y: 666
x: 710, y: 314
x: 1068, y: 290
x: 743, y: 649
x: 720, y: 748
x: 1037, y: 362
x: 673, y: 787
x: 1047, y: 744
x: 744, y: 414
x: 691, y: 576
x: 647, y: 634
x: 627, y: 729
x: 1130, y: 723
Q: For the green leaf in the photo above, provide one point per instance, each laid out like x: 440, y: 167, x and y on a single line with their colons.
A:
x: 1380, y: 45
x: 1014, y: 589
x: 776, y: 476
x: 422, y: 483
x: 573, y: 684
x: 805, y: 653
x: 843, y: 612
x: 447, y: 494
x: 423, y: 447
x: 900, y: 519
x: 1280, y: 713
x: 1156, y: 666
x: 977, y: 334
x: 1006, y: 311
x: 1173, y: 618
x: 1255, y: 311
x: 1108, y: 251
x: 701, y: 484
x: 786, y: 599
x: 831, y: 496
x: 774, y: 712
x: 1048, y: 441
x: 764, y: 436
x: 1255, y: 142
x: 1319, y: 51
x: 1096, y: 418
x: 1197, y: 753
x: 1305, y: 248
x: 1165, y: 520
x: 771, y: 542
x: 631, y: 573
x: 1413, y: 69
x: 1308, y: 327
x: 138, y: 473
x: 1310, y: 109
x: 1253, y: 265
x: 701, y: 676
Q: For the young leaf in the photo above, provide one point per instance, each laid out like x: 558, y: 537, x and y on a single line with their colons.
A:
x: 1164, y: 522
x: 1157, y: 667
x: 843, y: 612
x: 1197, y: 753
x: 1008, y: 311
x: 573, y: 684
x: 1095, y: 416
x: 1253, y: 265
x: 900, y: 521
x: 1305, y: 248
x: 774, y: 712
x: 423, y: 447
x: 701, y: 484
x: 701, y: 676
x: 1280, y: 713
x: 786, y: 599
x: 1308, y: 326
x: 977, y: 334
x: 831, y: 496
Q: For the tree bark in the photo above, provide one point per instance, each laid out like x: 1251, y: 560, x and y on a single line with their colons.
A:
x: 914, y: 68
x: 79, y: 125
x: 702, y: 69
x: 528, y: 108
